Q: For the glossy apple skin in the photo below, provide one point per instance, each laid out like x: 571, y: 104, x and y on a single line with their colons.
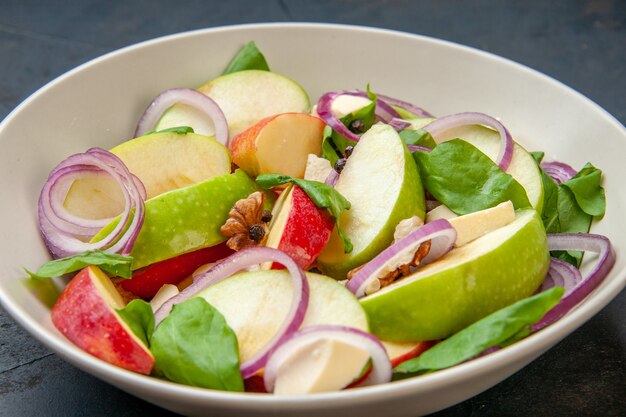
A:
x: 306, y: 230
x: 147, y: 281
x: 419, y: 348
x: 88, y: 319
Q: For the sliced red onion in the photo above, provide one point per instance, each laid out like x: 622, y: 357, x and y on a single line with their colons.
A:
x: 243, y: 259
x: 558, y: 171
x: 413, y: 148
x: 418, y: 111
x: 441, y: 234
x: 584, y: 242
x: 561, y: 274
x: 381, y: 365
x: 60, y: 228
x: 399, y: 124
x: 332, y: 178
x: 439, y: 126
x: 189, y: 97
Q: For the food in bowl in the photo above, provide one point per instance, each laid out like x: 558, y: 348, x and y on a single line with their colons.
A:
x: 375, y: 240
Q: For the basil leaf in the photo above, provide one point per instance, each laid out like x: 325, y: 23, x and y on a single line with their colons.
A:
x: 322, y: 195
x: 112, y: 263
x: 334, y: 144
x: 418, y: 137
x: 588, y: 192
x: 248, y: 58
x: 497, y: 329
x: 465, y: 179
x: 180, y: 130
x: 140, y: 318
x: 193, y: 345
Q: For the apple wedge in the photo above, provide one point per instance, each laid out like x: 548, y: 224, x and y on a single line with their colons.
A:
x: 278, y: 144
x: 399, y: 352
x: 255, y: 303
x: 465, y: 285
x: 86, y: 314
x: 245, y: 97
x: 299, y: 228
x: 381, y: 181
x: 162, y: 161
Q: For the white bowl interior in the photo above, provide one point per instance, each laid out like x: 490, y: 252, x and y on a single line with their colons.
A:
x: 98, y: 104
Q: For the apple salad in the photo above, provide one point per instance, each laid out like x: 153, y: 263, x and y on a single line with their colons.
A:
x: 243, y: 240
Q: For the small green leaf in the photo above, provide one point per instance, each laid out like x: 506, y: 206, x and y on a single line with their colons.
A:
x: 180, y: 130
x: 497, y: 329
x: 322, y: 195
x: 112, y: 263
x: 588, y: 192
x: 193, y: 345
x: 466, y: 180
x: 248, y: 58
x: 140, y: 318
x: 418, y: 137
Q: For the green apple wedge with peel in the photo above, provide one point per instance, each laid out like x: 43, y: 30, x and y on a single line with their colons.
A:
x: 465, y: 285
x: 245, y: 97
x: 523, y: 167
x: 254, y: 305
x: 382, y: 184
x: 162, y: 161
x: 186, y: 219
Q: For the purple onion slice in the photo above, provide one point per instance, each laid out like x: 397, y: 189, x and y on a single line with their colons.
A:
x: 558, y: 171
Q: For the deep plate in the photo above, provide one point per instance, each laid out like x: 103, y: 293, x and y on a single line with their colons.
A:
x: 98, y: 103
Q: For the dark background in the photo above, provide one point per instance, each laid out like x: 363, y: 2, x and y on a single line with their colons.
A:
x: 581, y: 43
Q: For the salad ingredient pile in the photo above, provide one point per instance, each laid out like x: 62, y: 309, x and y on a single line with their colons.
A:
x: 244, y: 241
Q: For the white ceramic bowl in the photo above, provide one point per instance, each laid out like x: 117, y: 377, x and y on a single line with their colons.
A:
x: 97, y: 104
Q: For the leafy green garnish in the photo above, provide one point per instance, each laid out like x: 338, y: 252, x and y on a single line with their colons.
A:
x: 418, y: 137
x: 112, y: 263
x: 571, y: 206
x: 193, y: 345
x: 248, y: 58
x: 322, y: 195
x: 497, y: 329
x: 465, y: 179
x: 140, y: 318
x: 334, y: 144
x: 180, y: 130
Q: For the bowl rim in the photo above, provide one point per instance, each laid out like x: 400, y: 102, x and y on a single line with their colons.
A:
x: 531, y: 346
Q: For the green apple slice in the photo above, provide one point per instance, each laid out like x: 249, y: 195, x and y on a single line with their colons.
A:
x: 467, y: 284
x: 381, y: 181
x: 255, y: 303
x: 523, y: 166
x: 186, y: 219
x: 245, y: 97
x: 162, y: 161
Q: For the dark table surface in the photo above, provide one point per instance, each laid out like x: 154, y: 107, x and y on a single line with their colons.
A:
x: 581, y: 43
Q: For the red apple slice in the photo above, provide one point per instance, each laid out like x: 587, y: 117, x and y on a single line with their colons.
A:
x: 399, y: 352
x: 85, y: 314
x: 147, y: 281
x: 279, y: 144
x: 300, y: 228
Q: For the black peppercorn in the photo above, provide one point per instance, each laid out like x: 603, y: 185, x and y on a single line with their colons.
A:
x: 348, y: 151
x: 357, y: 126
x: 341, y: 162
x: 256, y: 232
x: 266, y: 216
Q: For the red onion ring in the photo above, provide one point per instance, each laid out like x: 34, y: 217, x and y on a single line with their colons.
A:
x: 238, y: 261
x: 441, y: 234
x: 398, y: 124
x: 381, y: 365
x: 189, y: 97
x: 443, y: 124
x: 332, y: 178
x: 60, y: 228
x: 561, y: 274
x: 558, y: 171
x: 420, y: 112
x: 413, y: 148
x: 585, y: 242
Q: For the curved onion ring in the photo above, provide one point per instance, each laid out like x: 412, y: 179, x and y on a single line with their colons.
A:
x: 246, y: 258
x: 60, y: 228
x: 558, y: 171
x: 443, y: 124
x: 561, y: 274
x: 585, y: 242
x: 418, y: 111
x: 189, y: 97
x: 441, y: 234
x: 381, y: 365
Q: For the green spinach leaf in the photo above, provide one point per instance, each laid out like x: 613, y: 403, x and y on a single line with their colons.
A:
x: 322, y: 195
x: 140, y: 318
x: 465, y: 179
x: 248, y: 58
x: 111, y: 263
x: 497, y: 329
x: 195, y: 346
x: 180, y: 130
x: 418, y: 137
x: 588, y: 192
